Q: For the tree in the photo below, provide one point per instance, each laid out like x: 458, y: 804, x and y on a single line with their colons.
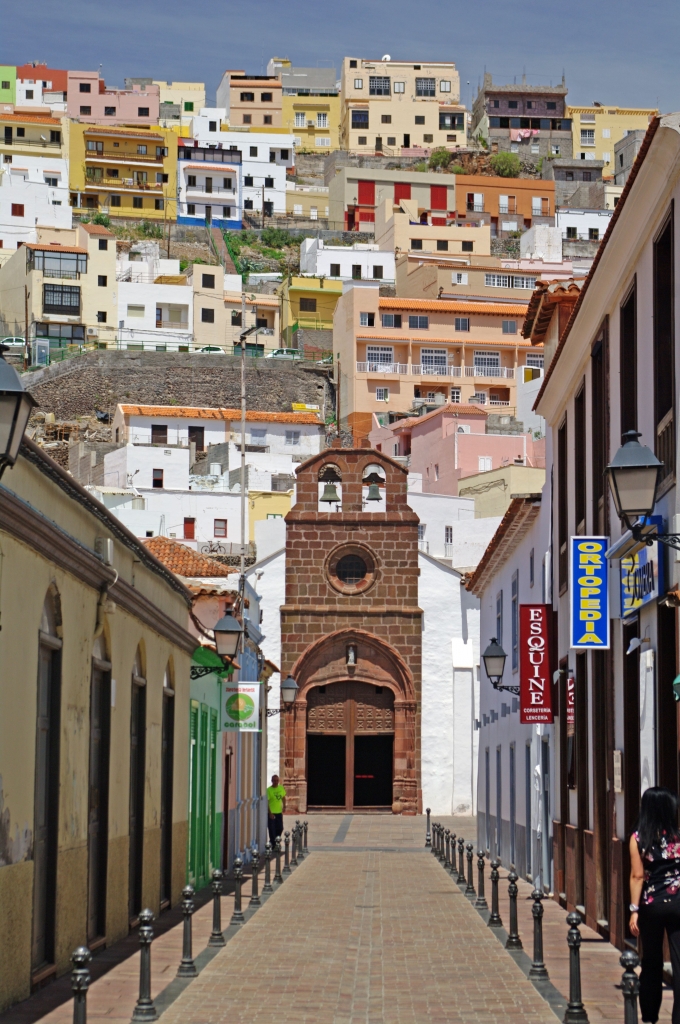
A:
x: 440, y: 158
x: 505, y: 165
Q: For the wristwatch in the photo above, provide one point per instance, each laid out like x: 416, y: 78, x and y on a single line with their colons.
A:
x: 633, y: 907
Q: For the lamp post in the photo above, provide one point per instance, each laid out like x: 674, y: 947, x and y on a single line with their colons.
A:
x: 633, y: 476
x: 15, y: 409
x: 228, y: 633
x: 289, y: 691
x: 494, y: 658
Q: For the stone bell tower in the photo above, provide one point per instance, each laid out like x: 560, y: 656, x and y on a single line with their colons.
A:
x: 351, y: 637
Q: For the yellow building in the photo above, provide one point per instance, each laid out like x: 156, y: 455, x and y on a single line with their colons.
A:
x: 596, y: 130
x: 125, y: 172
x: 308, y: 303
x: 180, y: 101
x: 308, y: 201
x: 310, y: 105
x: 267, y: 505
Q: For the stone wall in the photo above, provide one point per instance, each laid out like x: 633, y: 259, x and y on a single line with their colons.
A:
x: 100, y: 380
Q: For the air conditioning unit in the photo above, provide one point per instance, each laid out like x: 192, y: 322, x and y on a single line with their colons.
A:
x: 93, y: 332
x: 310, y: 124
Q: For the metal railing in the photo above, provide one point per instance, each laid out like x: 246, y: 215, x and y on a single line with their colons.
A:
x: 119, y: 183
x: 195, y: 190
x: 73, y: 275
x: 173, y: 324
x: 424, y: 545
x: 435, y: 370
x: 30, y: 142
x: 382, y: 367
x: 448, y: 551
x: 507, y: 372
x: 475, y: 207
x: 122, y: 158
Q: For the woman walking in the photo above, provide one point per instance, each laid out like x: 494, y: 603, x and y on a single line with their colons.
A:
x: 655, y: 896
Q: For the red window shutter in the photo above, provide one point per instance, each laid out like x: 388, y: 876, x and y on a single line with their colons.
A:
x: 439, y: 222
x: 17, y: 209
x: 366, y: 193
x: 367, y: 215
x: 437, y: 197
x: 189, y: 529
x: 401, y: 191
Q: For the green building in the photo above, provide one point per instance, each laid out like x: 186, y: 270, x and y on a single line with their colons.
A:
x: 8, y: 84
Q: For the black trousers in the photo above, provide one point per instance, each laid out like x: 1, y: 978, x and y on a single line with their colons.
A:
x: 274, y: 827
x: 654, y: 919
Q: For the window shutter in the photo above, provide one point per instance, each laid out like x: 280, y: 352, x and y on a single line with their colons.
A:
x: 401, y: 191
x: 438, y: 197
x: 366, y: 193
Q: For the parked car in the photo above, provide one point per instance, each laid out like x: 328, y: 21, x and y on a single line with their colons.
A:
x: 326, y: 361
x: 212, y: 348
x: 284, y: 353
x: 13, y: 342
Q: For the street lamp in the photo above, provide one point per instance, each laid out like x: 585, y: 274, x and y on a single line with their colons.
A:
x: 15, y: 408
x: 633, y: 476
x: 289, y: 691
x: 494, y: 658
x: 228, y: 632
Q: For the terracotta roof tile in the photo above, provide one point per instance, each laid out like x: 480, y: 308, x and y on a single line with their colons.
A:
x: 428, y: 339
x: 31, y: 119
x: 441, y: 306
x: 55, y: 247
x: 97, y: 229
x: 455, y: 408
x: 228, y: 415
x: 184, y: 561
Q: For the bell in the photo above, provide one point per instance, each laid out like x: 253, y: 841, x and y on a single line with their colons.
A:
x: 373, y: 493
x: 329, y: 494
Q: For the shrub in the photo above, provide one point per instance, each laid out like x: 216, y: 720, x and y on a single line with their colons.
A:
x: 276, y: 238
x: 101, y: 218
x: 440, y: 158
x: 422, y: 166
x: 505, y: 165
x: 457, y: 169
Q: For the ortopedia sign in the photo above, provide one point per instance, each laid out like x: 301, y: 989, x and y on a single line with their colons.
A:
x: 241, y: 707
x: 589, y: 593
x: 535, y: 693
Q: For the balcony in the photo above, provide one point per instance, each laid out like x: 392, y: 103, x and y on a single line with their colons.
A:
x: 382, y: 368
x: 38, y: 143
x: 121, y: 184
x: 499, y: 401
x: 424, y: 545
x: 196, y: 190
x: 475, y: 207
x: 507, y: 372
x: 72, y: 275
x: 435, y: 370
x: 448, y: 550
x: 173, y: 324
x: 122, y: 158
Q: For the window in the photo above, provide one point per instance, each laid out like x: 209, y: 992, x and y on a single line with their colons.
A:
x: 85, y: 87
x: 297, y: 209
x: 420, y: 119
x: 484, y: 464
x: 356, y: 271
x: 307, y: 305
x: 462, y: 323
x: 247, y: 204
x: 361, y: 140
x: 499, y: 617
x: 391, y: 140
x: 455, y: 396
x: 335, y: 270
x: 382, y: 394
x: 378, y: 86
x: 360, y: 119
x: 137, y: 202
x: 391, y: 319
x: 159, y: 204
x: 189, y: 528
x: 551, y: 105
x: 664, y: 347
x: 531, y: 568
x: 386, y: 119
x: 379, y: 355
x: 514, y: 612
x: 5, y: 85
x: 562, y: 507
x: 267, y: 119
x: 457, y: 277
x: 358, y: 83
x: 445, y: 85
x: 159, y: 433
x: 101, y: 316
x: 418, y: 323
x: 17, y: 209
x: 266, y: 97
x: 226, y: 183
x: 442, y: 245
x: 207, y: 316
x: 253, y: 150
x: 479, y: 398
x: 594, y: 234
x: 416, y: 243
x: 86, y: 111
x: 509, y: 327
x: 399, y: 87
x: 352, y: 63
x: 269, y: 183
x: 220, y: 528
x: 191, y: 181
x: 142, y: 111
x: 467, y: 246
x: 428, y: 138
x: 101, y: 280
x: 157, y: 478
x: 103, y: 243
x: 432, y: 358
x: 512, y: 104
x: 247, y: 119
x: 207, y: 280
x: 587, y: 176
x: 488, y: 362
x: 248, y: 181
x: 236, y: 318
x: 135, y: 311
x: 377, y: 272
x: 366, y: 319
x: 292, y: 437
x: 191, y: 209
x: 300, y: 119
x: 188, y: 107
x: 284, y: 154
x: 587, y: 136
x: 448, y: 535
x: 61, y: 298
x: 425, y: 86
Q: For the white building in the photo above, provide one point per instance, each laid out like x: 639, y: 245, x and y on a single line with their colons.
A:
x: 582, y: 225
x: 157, y: 315
x: 265, y: 157
x: 209, y: 183
x: 33, y: 193
x: 361, y: 261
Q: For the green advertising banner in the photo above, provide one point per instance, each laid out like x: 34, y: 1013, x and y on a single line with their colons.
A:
x: 241, y: 707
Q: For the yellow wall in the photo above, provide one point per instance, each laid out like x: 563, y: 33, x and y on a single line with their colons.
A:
x: 615, y: 121
x: 310, y: 137
x: 492, y: 491
x: 326, y: 294
x: 264, y: 503
x: 307, y: 197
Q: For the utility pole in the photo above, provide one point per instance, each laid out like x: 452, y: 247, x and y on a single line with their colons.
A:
x: 242, y: 581
x: 26, y: 294
x: 263, y: 207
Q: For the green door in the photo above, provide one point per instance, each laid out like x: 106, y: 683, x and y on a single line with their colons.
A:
x: 202, y: 876
x: 213, y: 844
x: 193, y: 792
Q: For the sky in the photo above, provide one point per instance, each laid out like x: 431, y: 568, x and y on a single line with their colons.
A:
x: 621, y: 53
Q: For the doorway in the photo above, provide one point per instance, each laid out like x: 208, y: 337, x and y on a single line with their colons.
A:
x: 137, y: 783
x: 98, y: 798
x: 167, y: 774
x: 350, y: 746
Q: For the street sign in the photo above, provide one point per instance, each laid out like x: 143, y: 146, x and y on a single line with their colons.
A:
x: 535, y: 680
x: 589, y: 593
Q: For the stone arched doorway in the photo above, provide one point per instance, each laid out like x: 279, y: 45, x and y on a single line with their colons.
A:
x: 355, y: 715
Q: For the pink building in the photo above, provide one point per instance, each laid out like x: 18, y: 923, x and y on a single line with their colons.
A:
x: 89, y: 100
x: 452, y: 442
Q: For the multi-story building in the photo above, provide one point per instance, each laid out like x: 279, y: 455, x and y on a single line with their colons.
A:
x: 307, y: 201
x: 265, y: 158
x: 391, y: 351
x: 359, y: 262
x: 402, y: 228
x: 507, y: 204
x: 597, y: 129
x: 495, y: 279
x: 310, y: 105
x: 210, y: 183
x: 355, y: 192
x: 308, y: 304
x: 251, y: 100
x: 8, y: 85
x: 625, y: 152
x: 530, y: 120
x: 179, y: 102
x: 41, y: 86
x: 391, y: 106
x: 91, y: 102
x: 67, y: 288
x: 34, y: 173
x: 128, y: 172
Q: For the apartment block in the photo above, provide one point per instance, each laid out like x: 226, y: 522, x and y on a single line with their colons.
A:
x: 442, y: 275
x: 210, y: 184
x: 402, y: 228
x: 125, y: 172
x: 354, y: 193
x: 530, y: 120
x: 34, y: 173
x: 394, y: 107
x: 89, y: 100
x: 625, y: 153
x: 41, y: 86
x: 310, y: 105
x: 8, y: 84
x: 363, y: 261
x: 251, y: 100
x: 597, y: 129
x: 179, y: 101
x: 506, y: 204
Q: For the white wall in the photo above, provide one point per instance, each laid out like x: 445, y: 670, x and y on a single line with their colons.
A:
x: 268, y: 576
x: 152, y: 296
x: 526, y: 396
x: 582, y: 220
x: 437, y: 511
x: 133, y: 465
x: 316, y: 259
x: 203, y: 506
x: 139, y: 430
x: 310, y: 442
x: 44, y: 206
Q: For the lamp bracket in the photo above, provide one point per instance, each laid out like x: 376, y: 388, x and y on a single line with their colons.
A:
x: 277, y: 711
x: 671, y: 540
x: 509, y: 689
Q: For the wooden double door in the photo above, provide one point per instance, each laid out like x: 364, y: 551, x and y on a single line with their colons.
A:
x: 350, y: 746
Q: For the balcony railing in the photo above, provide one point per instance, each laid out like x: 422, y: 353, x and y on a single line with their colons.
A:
x: 173, y: 324
x: 435, y: 370
x: 499, y: 401
x: 122, y: 158
x: 476, y: 207
x: 197, y: 190
x: 73, y: 275
x: 424, y: 545
x: 61, y: 310
x: 448, y: 551
x: 43, y: 144
x: 490, y: 371
x: 123, y: 183
x: 382, y: 367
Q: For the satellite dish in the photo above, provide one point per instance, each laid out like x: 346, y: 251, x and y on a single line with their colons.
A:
x: 387, y: 57
x: 44, y: 138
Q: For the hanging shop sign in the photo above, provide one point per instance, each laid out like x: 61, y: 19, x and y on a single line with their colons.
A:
x: 642, y: 575
x: 241, y: 708
x: 535, y: 680
x: 589, y: 593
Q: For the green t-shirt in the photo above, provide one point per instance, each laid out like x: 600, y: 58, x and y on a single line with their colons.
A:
x: 275, y: 795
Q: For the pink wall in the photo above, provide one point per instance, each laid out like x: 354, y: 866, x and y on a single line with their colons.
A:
x: 126, y: 102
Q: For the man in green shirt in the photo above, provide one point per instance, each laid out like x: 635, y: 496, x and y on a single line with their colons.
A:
x: 276, y: 798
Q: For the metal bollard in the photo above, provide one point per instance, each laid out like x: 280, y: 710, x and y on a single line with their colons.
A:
x: 216, y: 936
x: 538, y: 968
x: 461, y: 861
x: 267, y: 887
x: 469, y: 888
x: 494, y: 918
x: 237, y: 917
x: 300, y: 849
x: 278, y: 877
x: 145, y: 1009
x: 452, y: 859
x: 255, y: 883
x: 440, y: 845
x: 428, y: 833
x: 187, y: 967
x: 447, y: 841
x: 286, y: 859
x: 294, y: 847
x: 304, y: 842
x: 575, y: 1012
x: 480, y: 902
x: 80, y: 982
x: 434, y: 839
x: 630, y: 986
x: 514, y: 941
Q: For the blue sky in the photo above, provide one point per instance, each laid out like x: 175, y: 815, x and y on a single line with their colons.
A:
x: 622, y: 53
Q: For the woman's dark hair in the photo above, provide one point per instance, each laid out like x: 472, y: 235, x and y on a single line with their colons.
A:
x: 658, y: 816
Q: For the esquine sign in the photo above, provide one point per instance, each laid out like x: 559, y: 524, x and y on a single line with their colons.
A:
x: 535, y: 688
